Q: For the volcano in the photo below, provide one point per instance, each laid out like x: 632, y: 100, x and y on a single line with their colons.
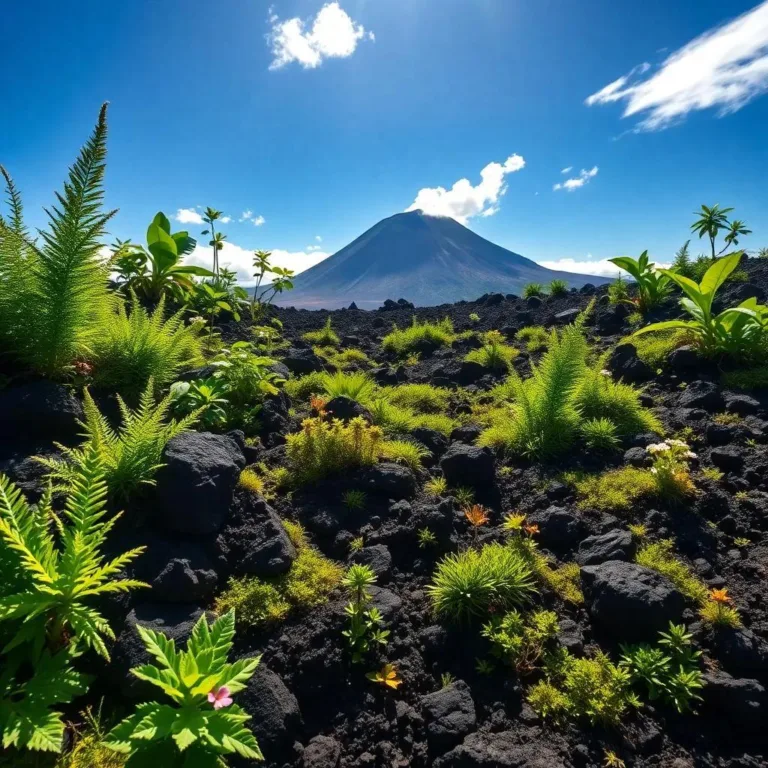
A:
x: 428, y: 260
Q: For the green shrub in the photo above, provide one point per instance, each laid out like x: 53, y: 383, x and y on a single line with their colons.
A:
x: 324, y: 448
x: 304, y: 387
x: 131, y: 349
x: 89, y: 749
x: 518, y: 639
x: 392, y: 419
x: 191, y: 730
x: 535, y: 337
x: 54, y: 299
x: 325, y: 337
x: 533, y: 289
x: 436, y: 486
x: 364, y: 620
x: 470, y: 583
x: 404, y: 341
x: 600, y: 434
x: 439, y: 422
x: 659, y: 556
x: 654, y: 349
x: 616, y: 490
x: 131, y: 455
x: 311, y: 578
x: 494, y: 355
x: 558, y: 288
x: 618, y: 291
x: 652, y: 285
x: 343, y: 359
x: 354, y: 499
x: 356, y: 386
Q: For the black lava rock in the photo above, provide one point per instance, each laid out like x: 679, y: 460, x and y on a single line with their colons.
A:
x: 391, y: 480
x: 702, y: 394
x: 39, y: 409
x: 345, y: 408
x: 559, y: 530
x: 729, y: 458
x: 614, y: 545
x: 302, y: 361
x: 468, y: 465
x: 625, y: 364
x: 449, y: 714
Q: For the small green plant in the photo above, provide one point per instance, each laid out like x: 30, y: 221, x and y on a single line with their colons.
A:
x: 612, y: 760
x: 600, y: 435
x: 652, y: 285
x: 419, y: 398
x: 670, y: 468
x: 343, y: 360
x: 426, y: 538
x: 713, y: 474
x: 408, y: 452
x: 474, y: 317
x: 464, y: 496
x: 363, y: 619
x: 638, y: 530
x: 484, y: 667
x: 446, y: 678
x: 281, y: 280
x: 616, y: 490
x: 618, y: 291
x: 325, y: 337
x: 669, y: 671
x: 419, y: 337
x: 205, y: 396
x: 741, y: 541
x: 736, y: 331
x: 655, y: 348
x: 520, y: 640
x: 355, y: 386
x: 131, y: 455
x: 468, y: 584
x: 535, y: 337
x: 533, y: 290
x: 713, y: 219
x: 251, y: 481
x: 436, y: 486
x: 717, y: 610
x: 302, y: 388
x: 89, y: 749
x: 354, y: 499
x: 356, y: 544
x: 493, y: 355
x: 203, y: 724
x: 308, y: 582
x: 133, y: 348
x: 558, y: 288
x: 386, y: 676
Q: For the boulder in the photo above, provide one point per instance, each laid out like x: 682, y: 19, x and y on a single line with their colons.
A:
x: 378, y: 557
x: 729, y: 458
x: 500, y: 750
x: 741, y: 651
x: 346, y: 409
x: 720, y: 434
x: 40, y: 409
x: 449, y: 715
x: 684, y: 360
x: 567, y: 316
x: 274, y: 711
x: 388, y: 603
x: 394, y: 481
x: 614, y: 545
x: 254, y: 541
x: 435, y: 441
x: 742, y: 405
x: 466, y: 434
x: 559, y: 530
x: 742, y: 702
x: 625, y: 364
x: 468, y: 465
x: 630, y: 602
x: 194, y: 488
x: 274, y: 418
x: 637, y: 457
x: 302, y: 361
x: 702, y: 394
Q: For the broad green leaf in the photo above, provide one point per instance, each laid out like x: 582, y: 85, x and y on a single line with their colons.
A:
x: 628, y: 264
x: 719, y: 272
x: 667, y: 325
x: 160, y: 243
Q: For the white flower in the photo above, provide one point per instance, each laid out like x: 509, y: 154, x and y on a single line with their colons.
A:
x: 679, y: 443
x: 605, y: 372
x: 690, y: 455
x: 658, y: 448
x: 654, y: 471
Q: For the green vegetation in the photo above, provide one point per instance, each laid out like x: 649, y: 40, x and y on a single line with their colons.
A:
x: 420, y: 398
x: 418, y: 337
x: 519, y: 640
x: 133, y: 348
x: 325, y: 337
x: 558, y: 288
x: 129, y: 456
x: 281, y: 280
x: 52, y: 567
x: 354, y: 500
x: 436, y: 486
x: 54, y: 299
x: 652, y: 285
x: 468, y: 584
x: 356, y: 386
x: 659, y: 556
x: 535, y: 337
x: 600, y: 435
x: 311, y: 578
x: 616, y: 490
x: 408, y: 452
x: 192, y: 731
x: 533, y: 289
x: 364, y: 620
x: 343, y: 359
x: 736, y: 332
x: 493, y: 355
x: 654, y: 349
x: 302, y: 388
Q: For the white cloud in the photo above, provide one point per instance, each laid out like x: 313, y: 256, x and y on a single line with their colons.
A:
x: 723, y: 69
x: 463, y: 201
x: 333, y: 34
x: 578, y: 181
x: 588, y: 266
x: 241, y: 259
x: 258, y: 221
x: 314, y: 247
x: 188, y: 216
x: 225, y: 219
x: 318, y: 238
x: 247, y: 215
x: 567, y: 170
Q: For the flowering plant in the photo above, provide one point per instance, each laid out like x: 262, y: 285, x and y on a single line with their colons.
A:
x: 670, y: 467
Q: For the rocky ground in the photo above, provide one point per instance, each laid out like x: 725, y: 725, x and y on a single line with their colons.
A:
x: 310, y: 706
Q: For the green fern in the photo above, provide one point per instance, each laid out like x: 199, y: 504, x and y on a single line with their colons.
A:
x: 53, y: 565
x: 130, y: 455
x: 203, y: 725
x: 132, y: 348
x: 57, y: 310
x: 27, y: 717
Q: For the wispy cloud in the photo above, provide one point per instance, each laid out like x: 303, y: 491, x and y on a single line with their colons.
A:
x: 588, y: 266
x: 723, y: 69
x: 577, y: 181
x: 247, y: 215
x: 225, y: 219
x: 567, y: 170
x: 188, y: 216
x: 463, y: 201
x: 333, y: 34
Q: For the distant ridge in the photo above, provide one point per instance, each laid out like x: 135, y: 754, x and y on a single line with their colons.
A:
x: 428, y: 260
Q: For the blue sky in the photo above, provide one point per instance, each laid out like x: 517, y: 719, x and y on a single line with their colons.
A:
x: 321, y: 118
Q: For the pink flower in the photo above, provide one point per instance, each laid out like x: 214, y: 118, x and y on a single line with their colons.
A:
x: 220, y: 698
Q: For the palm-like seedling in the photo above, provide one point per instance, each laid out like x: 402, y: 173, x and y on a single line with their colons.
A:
x: 210, y: 216
x: 736, y: 229
x: 710, y: 222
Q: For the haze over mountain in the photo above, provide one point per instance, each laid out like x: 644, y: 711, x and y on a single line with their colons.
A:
x: 428, y: 260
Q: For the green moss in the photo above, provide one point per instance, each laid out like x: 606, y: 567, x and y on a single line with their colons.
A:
x: 494, y: 356
x: 325, y: 337
x: 614, y: 491
x: 659, y: 556
x: 654, y: 348
x: 747, y: 378
x: 308, y: 583
x: 420, y: 398
x: 535, y: 337
x: 303, y: 388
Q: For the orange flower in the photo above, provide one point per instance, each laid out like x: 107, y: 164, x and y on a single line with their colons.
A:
x: 720, y: 596
x: 387, y: 676
x: 317, y: 403
x: 476, y: 515
x: 531, y: 529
